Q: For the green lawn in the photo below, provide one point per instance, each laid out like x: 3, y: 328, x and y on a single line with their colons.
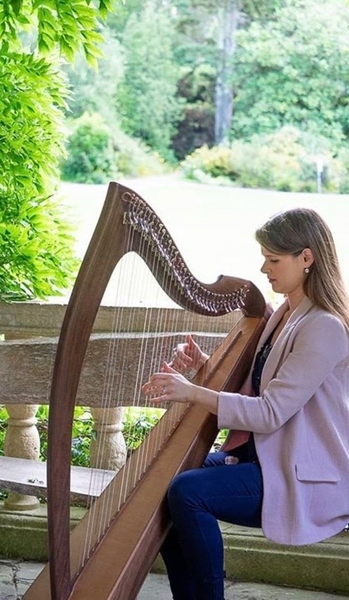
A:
x: 212, y: 226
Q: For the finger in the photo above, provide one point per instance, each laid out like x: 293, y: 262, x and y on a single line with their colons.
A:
x: 160, y: 395
x: 190, y: 341
x: 166, y: 368
x: 155, y: 382
x: 180, y: 364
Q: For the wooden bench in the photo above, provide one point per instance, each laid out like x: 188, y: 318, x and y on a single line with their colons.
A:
x: 29, y: 477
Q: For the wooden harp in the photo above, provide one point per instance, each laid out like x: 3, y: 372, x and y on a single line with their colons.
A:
x: 121, y: 551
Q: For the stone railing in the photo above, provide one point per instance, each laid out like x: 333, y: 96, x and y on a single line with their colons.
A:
x: 30, y: 333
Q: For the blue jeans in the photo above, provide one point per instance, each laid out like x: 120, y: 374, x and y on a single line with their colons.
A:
x: 193, y: 550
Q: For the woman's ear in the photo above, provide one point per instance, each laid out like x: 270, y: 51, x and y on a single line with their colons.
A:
x: 308, y: 257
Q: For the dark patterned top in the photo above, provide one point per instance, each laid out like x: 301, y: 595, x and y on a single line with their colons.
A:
x: 259, y: 363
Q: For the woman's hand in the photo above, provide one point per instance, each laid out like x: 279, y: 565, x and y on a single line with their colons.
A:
x: 170, y: 386
x: 188, y: 355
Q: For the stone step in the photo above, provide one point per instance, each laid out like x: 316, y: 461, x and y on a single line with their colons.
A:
x: 249, y: 556
x: 323, y: 566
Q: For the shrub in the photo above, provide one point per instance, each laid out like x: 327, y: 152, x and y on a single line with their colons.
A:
x: 284, y: 161
x: 135, y: 159
x: 98, y: 153
x: 205, y: 163
x: 137, y: 424
x: 343, y: 158
x: 90, y: 150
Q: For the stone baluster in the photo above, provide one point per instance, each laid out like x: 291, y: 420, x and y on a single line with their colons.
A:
x: 22, y: 441
x: 108, y: 447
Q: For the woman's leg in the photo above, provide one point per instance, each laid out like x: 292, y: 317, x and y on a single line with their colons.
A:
x: 184, y: 586
x: 198, y: 498
x: 215, y: 459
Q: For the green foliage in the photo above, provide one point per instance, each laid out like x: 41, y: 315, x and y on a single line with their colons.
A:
x: 294, y: 70
x: 134, y: 159
x: 36, y: 259
x: 94, y: 90
x: 90, y: 151
x: 137, y: 424
x: 343, y: 159
x: 3, y: 428
x: 82, y: 433
x: 147, y: 100
x: 205, y: 163
x: 285, y: 161
x: 98, y: 153
x: 70, y: 25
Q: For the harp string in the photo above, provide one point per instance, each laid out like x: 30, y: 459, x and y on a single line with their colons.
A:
x: 116, y: 363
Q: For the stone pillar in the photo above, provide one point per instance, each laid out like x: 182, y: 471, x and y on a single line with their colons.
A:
x: 108, y: 448
x: 22, y: 441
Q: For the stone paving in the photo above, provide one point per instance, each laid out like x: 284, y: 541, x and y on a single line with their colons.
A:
x: 16, y: 576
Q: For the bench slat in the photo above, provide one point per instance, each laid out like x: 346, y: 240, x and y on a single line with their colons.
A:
x: 29, y: 477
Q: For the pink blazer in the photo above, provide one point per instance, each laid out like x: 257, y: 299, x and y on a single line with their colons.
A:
x: 301, y: 426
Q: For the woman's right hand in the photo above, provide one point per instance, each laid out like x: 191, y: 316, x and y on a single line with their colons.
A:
x: 188, y: 355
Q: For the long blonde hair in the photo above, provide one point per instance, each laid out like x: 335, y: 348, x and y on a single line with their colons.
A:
x: 289, y: 232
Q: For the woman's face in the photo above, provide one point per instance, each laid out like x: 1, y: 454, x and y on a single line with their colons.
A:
x: 285, y: 272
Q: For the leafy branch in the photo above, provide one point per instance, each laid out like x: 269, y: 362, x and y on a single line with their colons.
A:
x: 69, y: 25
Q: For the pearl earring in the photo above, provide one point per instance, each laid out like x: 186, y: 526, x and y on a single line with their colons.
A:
x: 306, y: 270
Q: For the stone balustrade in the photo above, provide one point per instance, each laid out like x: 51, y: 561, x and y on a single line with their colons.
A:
x: 30, y: 332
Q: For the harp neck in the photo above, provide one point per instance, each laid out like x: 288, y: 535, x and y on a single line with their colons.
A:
x: 148, y: 236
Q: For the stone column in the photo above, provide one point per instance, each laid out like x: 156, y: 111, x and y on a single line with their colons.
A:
x: 108, y: 448
x: 22, y: 441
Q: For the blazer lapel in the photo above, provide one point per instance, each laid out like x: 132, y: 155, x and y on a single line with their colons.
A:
x: 271, y: 324
x: 277, y: 352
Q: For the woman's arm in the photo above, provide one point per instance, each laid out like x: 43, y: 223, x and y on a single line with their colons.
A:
x: 319, y: 346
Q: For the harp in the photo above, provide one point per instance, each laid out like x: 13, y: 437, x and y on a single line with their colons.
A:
x: 122, y: 548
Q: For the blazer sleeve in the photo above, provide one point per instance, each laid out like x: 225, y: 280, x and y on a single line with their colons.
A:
x: 317, y: 352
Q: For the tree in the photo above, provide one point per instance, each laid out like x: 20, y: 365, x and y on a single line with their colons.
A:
x: 147, y: 97
x: 294, y: 70
x: 207, y: 33
x: 36, y: 247
x: 94, y: 90
x: 36, y: 259
x: 228, y: 21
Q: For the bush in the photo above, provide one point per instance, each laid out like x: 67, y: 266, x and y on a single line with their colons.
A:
x: 98, y: 153
x: 284, y: 161
x: 137, y: 424
x: 135, y: 159
x: 90, y: 151
x: 206, y: 163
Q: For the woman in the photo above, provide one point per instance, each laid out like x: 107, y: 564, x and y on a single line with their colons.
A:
x: 292, y: 475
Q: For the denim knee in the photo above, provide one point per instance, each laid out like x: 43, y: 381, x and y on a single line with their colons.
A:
x: 179, y: 488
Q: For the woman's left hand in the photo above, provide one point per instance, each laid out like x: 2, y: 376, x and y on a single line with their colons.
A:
x: 169, y: 386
